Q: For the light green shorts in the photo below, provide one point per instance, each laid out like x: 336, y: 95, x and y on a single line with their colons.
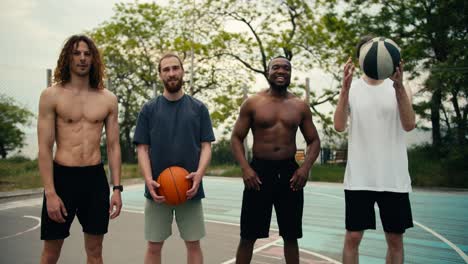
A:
x: 189, y: 218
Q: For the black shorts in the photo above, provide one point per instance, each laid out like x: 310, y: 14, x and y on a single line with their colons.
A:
x: 394, y: 209
x: 85, y: 193
x: 274, y: 190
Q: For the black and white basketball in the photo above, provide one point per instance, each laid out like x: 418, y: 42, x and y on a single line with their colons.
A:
x: 379, y: 58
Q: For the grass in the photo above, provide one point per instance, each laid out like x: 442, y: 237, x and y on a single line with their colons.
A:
x: 326, y: 173
x: 15, y: 175
x: 19, y: 175
x: 429, y: 168
x: 426, y: 170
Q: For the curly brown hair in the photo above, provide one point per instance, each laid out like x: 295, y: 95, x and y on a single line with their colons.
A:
x: 62, y: 71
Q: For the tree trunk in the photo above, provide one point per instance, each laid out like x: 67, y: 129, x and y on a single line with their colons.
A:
x: 435, y: 118
x: 130, y: 153
x: 2, y: 151
x: 459, y: 120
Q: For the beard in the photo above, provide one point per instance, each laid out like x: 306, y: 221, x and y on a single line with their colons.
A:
x: 80, y: 71
x: 279, y: 87
x: 171, y: 87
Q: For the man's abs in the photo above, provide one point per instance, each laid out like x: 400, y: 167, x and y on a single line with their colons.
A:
x: 273, y: 151
x: 78, y: 143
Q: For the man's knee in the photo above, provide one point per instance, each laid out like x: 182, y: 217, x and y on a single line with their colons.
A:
x: 155, y: 248
x: 394, y: 242
x: 353, y: 238
x: 94, y: 250
x: 247, y: 243
x: 51, y: 251
x: 193, y: 245
x: 48, y: 257
x: 93, y: 245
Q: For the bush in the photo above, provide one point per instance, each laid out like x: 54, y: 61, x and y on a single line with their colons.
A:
x: 221, y: 153
x: 18, y: 159
x: 445, y: 167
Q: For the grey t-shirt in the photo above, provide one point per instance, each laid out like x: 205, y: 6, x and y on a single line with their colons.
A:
x: 174, y: 131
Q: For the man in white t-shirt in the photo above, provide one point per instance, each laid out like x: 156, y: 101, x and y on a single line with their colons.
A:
x: 380, y: 112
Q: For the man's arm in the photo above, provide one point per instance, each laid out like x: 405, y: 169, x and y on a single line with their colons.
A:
x: 46, y: 138
x: 309, y: 131
x: 205, y: 158
x: 241, y: 128
x: 145, y: 169
x: 113, y: 152
x: 341, y: 113
x: 405, y: 107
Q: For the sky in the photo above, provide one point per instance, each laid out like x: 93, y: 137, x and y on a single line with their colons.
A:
x: 33, y: 33
x: 37, y: 29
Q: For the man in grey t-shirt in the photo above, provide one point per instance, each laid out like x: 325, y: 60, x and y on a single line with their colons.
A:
x: 173, y: 130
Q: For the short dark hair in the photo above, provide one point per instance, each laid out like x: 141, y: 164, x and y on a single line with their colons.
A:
x: 361, y: 42
x: 62, y: 73
x: 278, y: 57
x: 169, y: 55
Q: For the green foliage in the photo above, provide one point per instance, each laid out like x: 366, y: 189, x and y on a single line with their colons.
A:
x: 131, y: 171
x: 138, y: 34
x: 221, y: 153
x: 18, y: 173
x: 18, y: 159
x: 431, y: 167
x: 224, y: 170
x: 327, y: 173
x: 12, y: 118
x: 433, y: 38
x: 293, y: 29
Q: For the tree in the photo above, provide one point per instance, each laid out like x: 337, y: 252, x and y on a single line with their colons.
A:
x: 133, y: 40
x: 266, y: 29
x: 12, y: 117
x: 433, y: 37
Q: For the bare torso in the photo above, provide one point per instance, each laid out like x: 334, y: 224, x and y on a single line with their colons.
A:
x: 79, y: 119
x: 275, y: 121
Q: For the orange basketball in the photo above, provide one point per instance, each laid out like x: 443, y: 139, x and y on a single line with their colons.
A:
x: 174, y: 185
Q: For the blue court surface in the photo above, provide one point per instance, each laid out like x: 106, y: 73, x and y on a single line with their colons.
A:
x: 440, y: 233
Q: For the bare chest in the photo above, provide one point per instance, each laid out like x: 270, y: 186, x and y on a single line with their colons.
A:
x: 89, y: 108
x: 271, y: 114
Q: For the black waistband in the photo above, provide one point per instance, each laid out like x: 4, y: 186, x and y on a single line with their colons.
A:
x: 58, y: 165
x: 274, y: 162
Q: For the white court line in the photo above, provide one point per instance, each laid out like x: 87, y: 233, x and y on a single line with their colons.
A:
x: 255, y: 250
x: 266, y: 256
x: 23, y: 203
x: 458, y: 250
x: 25, y: 231
x: 320, y: 256
x: 434, y: 233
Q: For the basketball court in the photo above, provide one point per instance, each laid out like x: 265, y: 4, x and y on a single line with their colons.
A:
x: 440, y: 234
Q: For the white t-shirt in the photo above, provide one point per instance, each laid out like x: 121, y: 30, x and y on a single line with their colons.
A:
x: 377, y: 157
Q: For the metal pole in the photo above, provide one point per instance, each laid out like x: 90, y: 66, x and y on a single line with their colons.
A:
x: 49, y: 77
x: 246, y: 145
x: 307, y: 100
x: 109, y: 84
x: 192, y: 70
x: 155, y: 92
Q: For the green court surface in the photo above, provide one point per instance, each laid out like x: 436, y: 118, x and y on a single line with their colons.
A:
x: 440, y: 233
